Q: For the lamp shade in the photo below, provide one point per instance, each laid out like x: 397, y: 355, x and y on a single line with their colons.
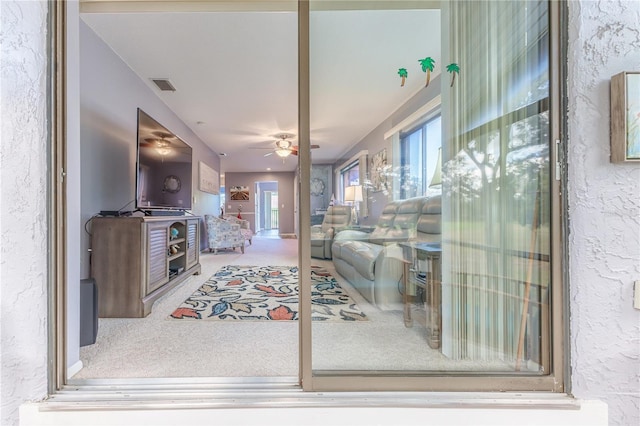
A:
x: 358, y: 193
x: 436, y: 179
x: 350, y: 193
x: 353, y: 193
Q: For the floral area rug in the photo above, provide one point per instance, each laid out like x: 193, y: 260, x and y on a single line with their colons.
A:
x: 267, y: 293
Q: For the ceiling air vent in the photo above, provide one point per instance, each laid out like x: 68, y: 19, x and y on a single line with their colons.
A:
x: 164, y: 84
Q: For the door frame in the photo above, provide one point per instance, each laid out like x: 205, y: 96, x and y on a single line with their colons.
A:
x: 309, y: 381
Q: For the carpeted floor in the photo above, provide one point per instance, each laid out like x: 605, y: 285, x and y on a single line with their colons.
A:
x: 159, y: 347
x: 262, y: 293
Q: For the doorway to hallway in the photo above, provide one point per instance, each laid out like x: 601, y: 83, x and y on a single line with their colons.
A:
x: 266, y: 208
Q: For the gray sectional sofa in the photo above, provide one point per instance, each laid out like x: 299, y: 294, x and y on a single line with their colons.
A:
x: 372, y: 262
x: 335, y: 220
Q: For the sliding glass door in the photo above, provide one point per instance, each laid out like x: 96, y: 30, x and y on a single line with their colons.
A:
x: 427, y: 201
x: 448, y: 270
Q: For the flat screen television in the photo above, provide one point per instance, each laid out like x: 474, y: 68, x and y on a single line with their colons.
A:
x: 163, y: 168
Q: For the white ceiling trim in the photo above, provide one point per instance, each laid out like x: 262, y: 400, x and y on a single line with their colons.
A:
x: 352, y: 160
x: 411, y: 120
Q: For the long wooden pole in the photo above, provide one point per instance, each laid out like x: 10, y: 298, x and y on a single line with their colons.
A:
x: 527, y: 289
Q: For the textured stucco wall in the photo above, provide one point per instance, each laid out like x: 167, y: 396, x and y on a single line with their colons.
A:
x: 604, y: 209
x: 604, y: 203
x: 23, y: 220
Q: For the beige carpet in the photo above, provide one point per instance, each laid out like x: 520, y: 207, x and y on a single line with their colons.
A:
x: 159, y: 347
x: 266, y: 293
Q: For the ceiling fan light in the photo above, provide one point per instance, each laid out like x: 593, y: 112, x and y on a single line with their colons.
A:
x: 163, y: 151
x: 282, y: 152
x: 283, y: 144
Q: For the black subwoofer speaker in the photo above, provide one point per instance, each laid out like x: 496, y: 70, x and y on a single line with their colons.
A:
x: 88, y: 312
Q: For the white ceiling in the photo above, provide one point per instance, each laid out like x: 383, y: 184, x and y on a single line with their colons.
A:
x: 235, y: 73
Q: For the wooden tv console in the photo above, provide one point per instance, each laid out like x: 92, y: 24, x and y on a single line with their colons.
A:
x: 133, y: 264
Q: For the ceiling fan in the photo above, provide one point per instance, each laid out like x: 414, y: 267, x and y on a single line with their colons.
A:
x: 284, y: 147
x: 161, y: 141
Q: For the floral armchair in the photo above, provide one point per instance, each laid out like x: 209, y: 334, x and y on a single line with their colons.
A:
x: 245, y: 227
x: 223, y: 234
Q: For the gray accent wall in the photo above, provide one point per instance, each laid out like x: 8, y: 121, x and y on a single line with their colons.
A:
x: 322, y: 177
x: 110, y: 94
x: 286, y: 200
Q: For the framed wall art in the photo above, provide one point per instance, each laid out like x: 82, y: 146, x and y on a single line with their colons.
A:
x: 239, y: 193
x: 209, y: 179
x: 379, y: 171
x: 625, y: 117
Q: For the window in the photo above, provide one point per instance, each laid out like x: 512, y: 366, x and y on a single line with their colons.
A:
x: 419, y: 149
x: 349, y: 175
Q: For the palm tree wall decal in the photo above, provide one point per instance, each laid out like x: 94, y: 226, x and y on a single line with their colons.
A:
x: 427, y: 65
x: 454, y: 69
x: 402, y: 72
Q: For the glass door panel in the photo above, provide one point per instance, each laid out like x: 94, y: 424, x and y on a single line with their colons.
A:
x: 435, y: 257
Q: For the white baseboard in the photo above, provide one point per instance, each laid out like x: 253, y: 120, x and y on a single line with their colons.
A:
x: 73, y: 370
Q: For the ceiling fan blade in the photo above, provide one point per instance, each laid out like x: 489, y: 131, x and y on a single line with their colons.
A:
x: 295, y: 148
x: 161, y: 134
x: 268, y: 154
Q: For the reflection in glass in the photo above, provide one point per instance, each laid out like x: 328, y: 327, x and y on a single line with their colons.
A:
x: 447, y: 268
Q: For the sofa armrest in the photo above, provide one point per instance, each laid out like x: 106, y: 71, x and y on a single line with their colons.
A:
x: 351, y: 235
x: 389, y: 268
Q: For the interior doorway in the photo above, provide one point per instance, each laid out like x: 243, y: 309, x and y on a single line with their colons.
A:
x: 267, y: 211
